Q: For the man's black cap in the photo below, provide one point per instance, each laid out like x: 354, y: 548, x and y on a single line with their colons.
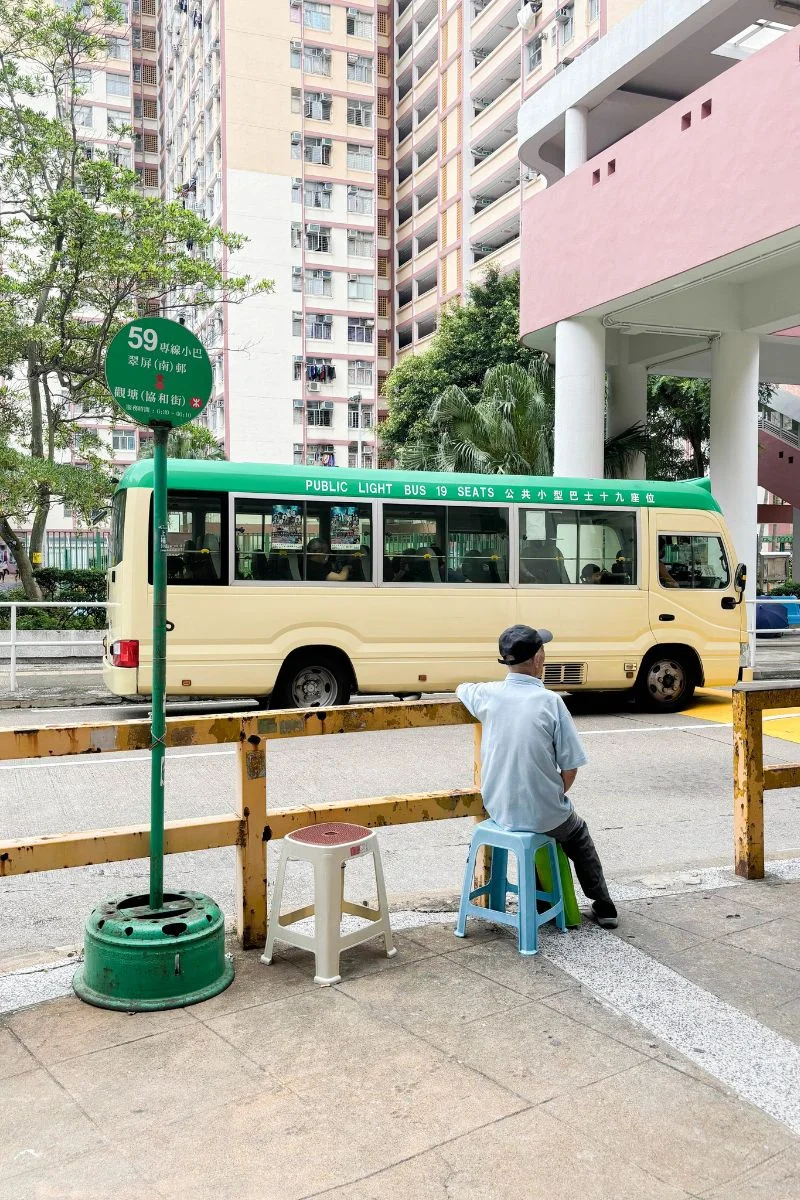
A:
x: 518, y: 643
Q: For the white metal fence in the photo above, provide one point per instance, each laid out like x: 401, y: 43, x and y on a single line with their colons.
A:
x: 15, y: 644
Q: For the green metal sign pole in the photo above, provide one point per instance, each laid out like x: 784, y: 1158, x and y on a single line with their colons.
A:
x: 162, y: 950
x: 158, y: 724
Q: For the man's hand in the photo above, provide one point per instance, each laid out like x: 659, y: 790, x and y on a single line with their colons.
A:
x: 569, y: 778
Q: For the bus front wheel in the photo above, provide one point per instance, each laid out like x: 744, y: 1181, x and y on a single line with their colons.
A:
x: 312, y: 680
x: 666, y: 682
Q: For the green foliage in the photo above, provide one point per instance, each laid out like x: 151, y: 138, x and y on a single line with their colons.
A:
x: 789, y: 588
x: 82, y: 252
x: 56, y: 584
x: 189, y: 441
x: 508, y: 431
x: 471, y: 338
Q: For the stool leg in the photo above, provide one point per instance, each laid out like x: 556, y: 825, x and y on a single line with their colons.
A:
x: 498, y: 880
x: 383, y: 905
x: 469, y: 871
x: 528, y: 924
x: 556, y: 889
x: 273, y: 924
x: 327, y: 920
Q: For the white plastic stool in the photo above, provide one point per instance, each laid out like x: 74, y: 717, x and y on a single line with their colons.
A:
x: 329, y: 847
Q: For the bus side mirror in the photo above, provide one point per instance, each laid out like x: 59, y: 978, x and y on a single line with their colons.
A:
x: 740, y: 580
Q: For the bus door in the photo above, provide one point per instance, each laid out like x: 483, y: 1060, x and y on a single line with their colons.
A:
x: 693, y: 600
x: 581, y: 575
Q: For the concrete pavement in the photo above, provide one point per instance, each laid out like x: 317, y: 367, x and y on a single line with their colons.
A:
x: 658, y: 1063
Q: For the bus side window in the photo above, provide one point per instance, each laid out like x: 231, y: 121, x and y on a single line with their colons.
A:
x: 692, y: 560
x: 414, y: 538
x: 477, y: 544
x: 577, y: 546
x: 295, y: 541
x: 195, y: 539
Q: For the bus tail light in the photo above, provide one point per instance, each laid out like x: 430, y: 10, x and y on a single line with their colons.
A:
x: 125, y: 653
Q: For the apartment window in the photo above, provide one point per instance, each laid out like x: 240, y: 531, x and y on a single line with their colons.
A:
x: 316, y: 60
x: 322, y: 455
x: 295, y: 58
x: 149, y: 74
x: 383, y: 306
x: 149, y: 177
x: 594, y: 10
x: 359, y: 373
x: 297, y: 367
x: 383, y: 22
x: 359, y: 24
x: 145, y: 107
x: 566, y: 19
x: 150, y: 143
x: 297, y: 98
x: 143, y: 39
x: 360, y: 243
x: 297, y: 326
x: 82, y: 115
x: 359, y: 112
x: 320, y: 413
x: 120, y: 158
x: 353, y: 416
x: 297, y: 191
x: 297, y: 455
x: 359, y: 158
x: 383, y: 186
x: 360, y: 287
x: 533, y: 51
x: 383, y: 338
x: 317, y: 106
x: 383, y: 105
x: 367, y: 417
x: 118, y: 85
x: 359, y: 68
x: 359, y: 200
x: 297, y: 235
x: 296, y: 139
x: 352, y: 456
x: 360, y: 329
x: 320, y: 370
x: 383, y: 64
x: 318, y: 238
x: 317, y: 195
x: 319, y: 282
x: 319, y: 326
x: 82, y: 81
x: 124, y: 441
x: 383, y: 267
x: 316, y: 16
x: 317, y: 150
x: 296, y: 12
x: 146, y: 7
x: 297, y: 279
x: 383, y: 146
x: 117, y: 48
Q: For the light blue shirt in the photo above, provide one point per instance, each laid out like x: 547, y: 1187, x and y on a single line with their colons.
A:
x: 528, y: 738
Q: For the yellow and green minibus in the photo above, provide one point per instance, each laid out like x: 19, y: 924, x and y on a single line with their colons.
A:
x: 304, y: 585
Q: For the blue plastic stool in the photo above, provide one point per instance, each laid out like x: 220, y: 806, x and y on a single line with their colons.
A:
x: 525, y: 846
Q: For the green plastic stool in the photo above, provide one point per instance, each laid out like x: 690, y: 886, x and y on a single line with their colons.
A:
x: 571, y: 910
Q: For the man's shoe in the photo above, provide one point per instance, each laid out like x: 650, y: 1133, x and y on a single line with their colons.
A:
x: 604, y: 914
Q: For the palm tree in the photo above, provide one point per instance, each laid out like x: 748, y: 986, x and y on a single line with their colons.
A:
x: 509, y: 431
x: 189, y: 441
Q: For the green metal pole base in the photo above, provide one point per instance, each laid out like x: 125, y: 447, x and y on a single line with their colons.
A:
x: 139, y: 959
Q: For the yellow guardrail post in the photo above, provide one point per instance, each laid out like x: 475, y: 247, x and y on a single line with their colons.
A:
x: 251, y: 847
x: 748, y: 784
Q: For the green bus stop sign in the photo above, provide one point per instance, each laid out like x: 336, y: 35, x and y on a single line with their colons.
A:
x: 158, y: 372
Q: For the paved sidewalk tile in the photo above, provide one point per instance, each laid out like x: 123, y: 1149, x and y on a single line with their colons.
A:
x: 688, y: 1134
x: 41, y: 1126
x: 67, y: 1028
x: 14, y: 1058
x: 776, y: 1179
x: 779, y: 942
x: 101, y: 1175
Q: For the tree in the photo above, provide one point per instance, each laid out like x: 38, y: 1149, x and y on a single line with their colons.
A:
x: 679, y: 426
x: 508, y: 431
x: 82, y: 251
x: 472, y: 337
x: 190, y: 441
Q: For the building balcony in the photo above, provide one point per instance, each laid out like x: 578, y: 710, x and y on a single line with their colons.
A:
x: 499, y: 70
x: 506, y: 258
x: 501, y: 162
x: 492, y: 24
x: 426, y: 128
x: 425, y: 83
x: 405, y: 273
x: 425, y: 218
x: 658, y: 195
x: 500, y: 212
x: 424, y: 261
x: 426, y: 49
x: 427, y: 305
x: 497, y: 122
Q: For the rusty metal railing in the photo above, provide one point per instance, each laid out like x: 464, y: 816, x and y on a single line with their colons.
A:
x: 252, y: 824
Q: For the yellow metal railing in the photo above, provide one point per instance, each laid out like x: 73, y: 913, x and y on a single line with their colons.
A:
x: 251, y: 825
x: 750, y: 777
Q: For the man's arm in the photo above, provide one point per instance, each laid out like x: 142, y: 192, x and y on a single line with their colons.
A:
x: 569, y: 778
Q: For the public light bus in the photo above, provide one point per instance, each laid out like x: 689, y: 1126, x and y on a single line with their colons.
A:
x: 305, y: 584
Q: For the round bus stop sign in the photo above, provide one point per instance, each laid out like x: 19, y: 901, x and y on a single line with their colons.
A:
x: 158, y: 372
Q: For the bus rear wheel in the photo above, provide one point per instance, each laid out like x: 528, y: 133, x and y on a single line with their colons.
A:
x: 666, y: 682
x: 312, y: 681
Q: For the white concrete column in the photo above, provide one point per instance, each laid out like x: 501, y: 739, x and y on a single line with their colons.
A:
x: 627, y: 406
x: 796, y: 543
x: 576, y: 138
x: 580, y: 397
x: 734, y: 447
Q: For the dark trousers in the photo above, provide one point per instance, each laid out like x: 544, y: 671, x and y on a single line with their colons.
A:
x: 576, y: 841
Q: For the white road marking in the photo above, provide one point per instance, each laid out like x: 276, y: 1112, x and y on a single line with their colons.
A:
x: 755, y: 1062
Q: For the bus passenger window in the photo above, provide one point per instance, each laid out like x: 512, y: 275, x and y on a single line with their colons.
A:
x: 693, y: 560
x: 338, y: 546
x: 194, y: 539
x: 269, y: 540
x: 477, y: 545
x: 578, y: 546
x: 295, y: 541
x: 414, y: 538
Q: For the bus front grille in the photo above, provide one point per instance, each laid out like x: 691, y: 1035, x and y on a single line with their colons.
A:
x: 565, y: 673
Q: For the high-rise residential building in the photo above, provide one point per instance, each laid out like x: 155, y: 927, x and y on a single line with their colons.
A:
x: 281, y: 131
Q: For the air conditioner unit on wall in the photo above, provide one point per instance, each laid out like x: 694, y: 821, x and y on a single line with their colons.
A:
x: 312, y: 386
x: 564, y: 15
